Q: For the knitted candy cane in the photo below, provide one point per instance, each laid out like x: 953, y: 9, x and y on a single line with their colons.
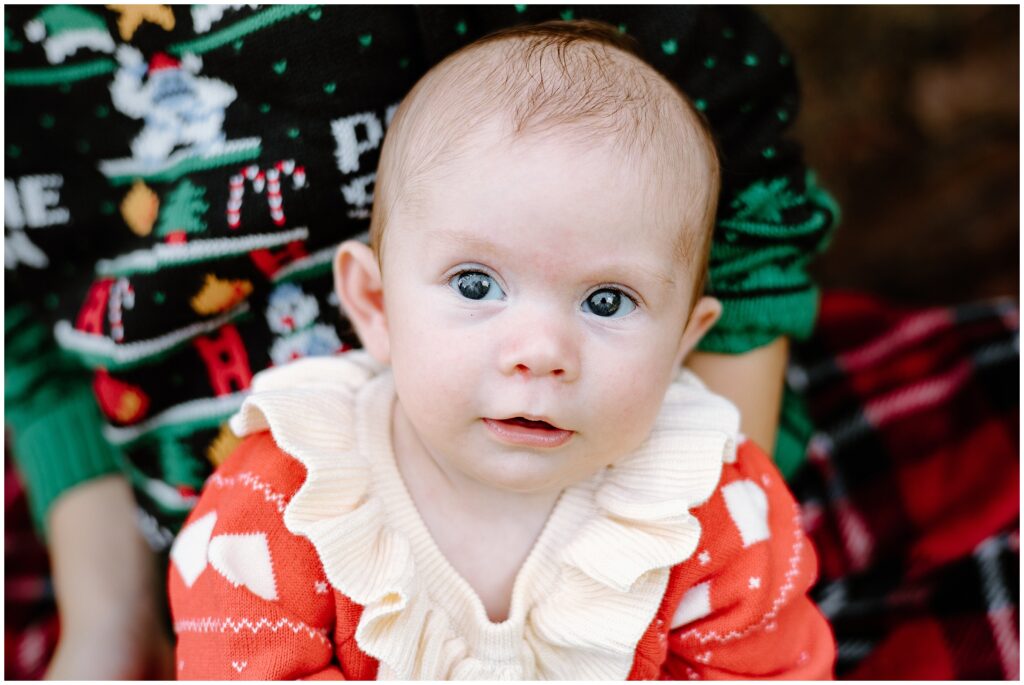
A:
x: 122, y: 296
x: 271, y: 180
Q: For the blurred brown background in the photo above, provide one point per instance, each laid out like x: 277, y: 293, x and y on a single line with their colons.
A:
x: 910, y: 116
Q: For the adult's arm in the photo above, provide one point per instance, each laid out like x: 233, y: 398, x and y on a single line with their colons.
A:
x: 52, y: 413
x: 104, y: 575
x: 111, y: 614
x: 753, y: 381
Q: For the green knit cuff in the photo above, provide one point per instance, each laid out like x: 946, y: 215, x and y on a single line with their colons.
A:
x: 62, y: 448
x: 765, y: 237
x: 754, y: 322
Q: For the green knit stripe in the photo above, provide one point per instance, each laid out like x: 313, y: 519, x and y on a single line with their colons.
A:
x: 189, y: 163
x: 173, y: 255
x: 52, y: 76
x: 61, y: 449
x: 756, y: 267
x: 239, y: 29
x: 94, y: 351
x: 178, y: 422
x: 316, y: 264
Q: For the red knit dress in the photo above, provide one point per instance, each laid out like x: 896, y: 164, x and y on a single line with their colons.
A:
x: 253, y: 600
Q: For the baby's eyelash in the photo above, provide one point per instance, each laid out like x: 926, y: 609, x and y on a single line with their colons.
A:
x: 635, y: 299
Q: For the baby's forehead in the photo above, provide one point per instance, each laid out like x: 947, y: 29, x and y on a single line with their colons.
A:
x: 585, y: 91
x: 529, y: 195
x: 547, y: 89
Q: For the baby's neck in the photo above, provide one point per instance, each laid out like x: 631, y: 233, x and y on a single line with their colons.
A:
x: 485, y: 533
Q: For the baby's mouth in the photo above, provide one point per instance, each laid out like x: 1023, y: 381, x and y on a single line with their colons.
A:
x: 519, y: 430
x: 521, y: 421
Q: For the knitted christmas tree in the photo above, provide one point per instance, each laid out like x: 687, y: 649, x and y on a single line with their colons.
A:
x: 182, y: 213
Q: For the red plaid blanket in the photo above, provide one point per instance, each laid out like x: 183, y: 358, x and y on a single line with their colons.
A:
x: 910, y: 492
x: 911, y: 488
x: 30, y: 618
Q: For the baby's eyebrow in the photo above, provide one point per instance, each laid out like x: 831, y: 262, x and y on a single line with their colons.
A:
x: 463, y: 238
x: 663, y: 277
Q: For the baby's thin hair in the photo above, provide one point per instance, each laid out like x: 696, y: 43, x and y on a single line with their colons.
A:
x: 581, y: 80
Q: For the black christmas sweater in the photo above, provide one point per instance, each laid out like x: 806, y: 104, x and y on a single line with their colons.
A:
x: 177, y: 179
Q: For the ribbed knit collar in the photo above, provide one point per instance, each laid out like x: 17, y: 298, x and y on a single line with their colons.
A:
x: 588, y: 589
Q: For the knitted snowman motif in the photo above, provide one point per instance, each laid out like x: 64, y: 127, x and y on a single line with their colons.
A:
x: 292, y: 315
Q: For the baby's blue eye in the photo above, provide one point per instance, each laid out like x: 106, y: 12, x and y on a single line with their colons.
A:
x: 474, y: 285
x: 608, y: 302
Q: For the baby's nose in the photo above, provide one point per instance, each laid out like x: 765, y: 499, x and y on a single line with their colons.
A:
x: 542, y: 349
x: 538, y: 370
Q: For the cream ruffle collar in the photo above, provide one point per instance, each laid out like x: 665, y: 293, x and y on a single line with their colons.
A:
x: 592, y: 583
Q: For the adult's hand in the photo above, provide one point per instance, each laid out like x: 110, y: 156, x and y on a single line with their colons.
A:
x: 109, y: 590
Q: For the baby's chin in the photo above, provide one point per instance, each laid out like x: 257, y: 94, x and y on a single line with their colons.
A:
x: 529, y: 472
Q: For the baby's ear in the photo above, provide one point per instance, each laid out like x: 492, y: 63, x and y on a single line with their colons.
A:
x: 359, y: 286
x: 705, y: 314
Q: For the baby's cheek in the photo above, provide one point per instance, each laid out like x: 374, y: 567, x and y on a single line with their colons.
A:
x: 631, y: 398
x: 434, y: 377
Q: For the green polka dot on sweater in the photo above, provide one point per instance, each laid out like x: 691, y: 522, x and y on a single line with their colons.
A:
x: 520, y: 8
x: 237, y: 45
x: 783, y: 115
x: 47, y: 121
x: 293, y: 133
x: 461, y: 28
x: 159, y: 297
x: 768, y: 152
x: 710, y: 62
x: 365, y: 39
x: 107, y: 208
x: 622, y: 28
x: 264, y: 108
x: 315, y: 14
x: 670, y: 46
x: 102, y: 111
x: 281, y: 66
x: 700, y: 104
x: 13, y: 151
x: 567, y: 15
x: 750, y: 59
x: 330, y: 87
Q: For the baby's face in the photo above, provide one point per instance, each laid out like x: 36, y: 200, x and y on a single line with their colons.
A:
x: 536, y: 304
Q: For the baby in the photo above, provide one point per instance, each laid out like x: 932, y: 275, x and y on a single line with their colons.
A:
x: 516, y: 479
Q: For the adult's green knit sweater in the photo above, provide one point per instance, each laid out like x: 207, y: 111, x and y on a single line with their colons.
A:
x: 175, y: 190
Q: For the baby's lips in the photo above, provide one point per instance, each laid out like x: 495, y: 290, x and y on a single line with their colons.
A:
x: 532, y: 422
x: 525, y: 432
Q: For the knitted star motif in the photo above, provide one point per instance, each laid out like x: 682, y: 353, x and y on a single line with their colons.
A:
x: 132, y: 17
x: 765, y: 202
